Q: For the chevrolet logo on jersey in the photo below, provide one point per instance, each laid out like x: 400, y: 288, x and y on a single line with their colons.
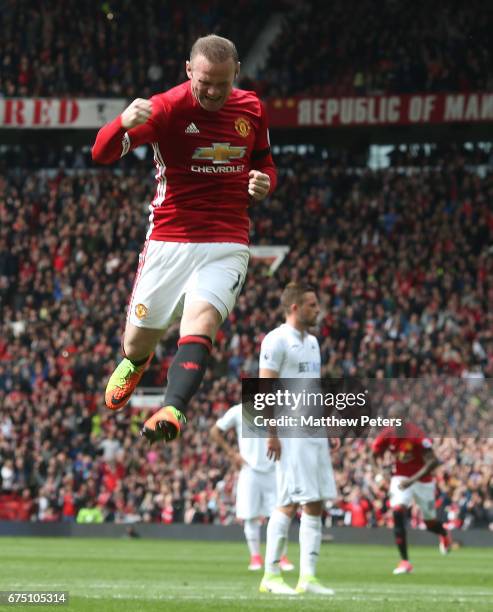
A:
x: 219, y: 153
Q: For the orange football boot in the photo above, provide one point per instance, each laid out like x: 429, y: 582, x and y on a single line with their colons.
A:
x: 122, y: 383
x: 165, y: 424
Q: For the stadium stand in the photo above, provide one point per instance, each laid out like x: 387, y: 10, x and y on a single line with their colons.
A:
x: 120, y: 51
x: 405, y: 271
x: 361, y: 48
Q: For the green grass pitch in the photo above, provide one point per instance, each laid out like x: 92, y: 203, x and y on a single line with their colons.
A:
x: 149, y: 575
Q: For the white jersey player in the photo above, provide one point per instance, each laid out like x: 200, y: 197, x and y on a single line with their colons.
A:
x: 304, y: 469
x: 256, y: 486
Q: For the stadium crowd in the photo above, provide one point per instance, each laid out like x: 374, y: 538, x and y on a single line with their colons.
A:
x: 364, y: 48
x: 404, y: 269
x: 119, y: 51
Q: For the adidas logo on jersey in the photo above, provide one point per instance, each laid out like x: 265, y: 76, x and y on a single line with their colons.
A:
x: 192, y: 129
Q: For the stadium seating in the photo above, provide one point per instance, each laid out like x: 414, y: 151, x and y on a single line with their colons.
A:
x: 408, y: 47
x: 360, y: 48
x: 120, y: 51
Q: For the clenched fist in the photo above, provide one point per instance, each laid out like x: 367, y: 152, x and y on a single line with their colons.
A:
x: 137, y: 113
x: 258, y: 184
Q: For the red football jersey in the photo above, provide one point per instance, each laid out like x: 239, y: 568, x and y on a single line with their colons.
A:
x: 202, y: 159
x: 408, y: 450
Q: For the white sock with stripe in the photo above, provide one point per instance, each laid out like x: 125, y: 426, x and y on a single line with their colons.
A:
x: 310, y: 541
x: 277, y: 535
x: 251, y: 529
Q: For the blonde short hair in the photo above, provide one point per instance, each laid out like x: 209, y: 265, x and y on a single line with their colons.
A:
x: 214, y: 48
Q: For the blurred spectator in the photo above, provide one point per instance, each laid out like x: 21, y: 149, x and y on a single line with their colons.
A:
x: 7, y: 474
x: 90, y: 514
x: 357, y: 509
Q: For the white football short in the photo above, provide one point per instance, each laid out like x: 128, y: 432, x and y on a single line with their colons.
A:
x: 423, y: 494
x: 304, y: 472
x: 172, y: 274
x: 255, y: 493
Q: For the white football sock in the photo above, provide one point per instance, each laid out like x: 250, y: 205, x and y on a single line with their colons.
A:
x: 310, y: 540
x: 252, y: 535
x: 277, y: 535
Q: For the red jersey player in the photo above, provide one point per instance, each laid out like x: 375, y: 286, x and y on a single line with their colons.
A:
x: 414, y: 462
x: 212, y: 155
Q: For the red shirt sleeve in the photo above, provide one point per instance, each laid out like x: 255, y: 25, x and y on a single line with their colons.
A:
x: 261, y: 154
x: 113, y: 141
x: 380, y: 444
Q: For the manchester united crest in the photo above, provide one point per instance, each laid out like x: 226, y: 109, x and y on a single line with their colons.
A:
x: 140, y: 311
x: 243, y: 127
